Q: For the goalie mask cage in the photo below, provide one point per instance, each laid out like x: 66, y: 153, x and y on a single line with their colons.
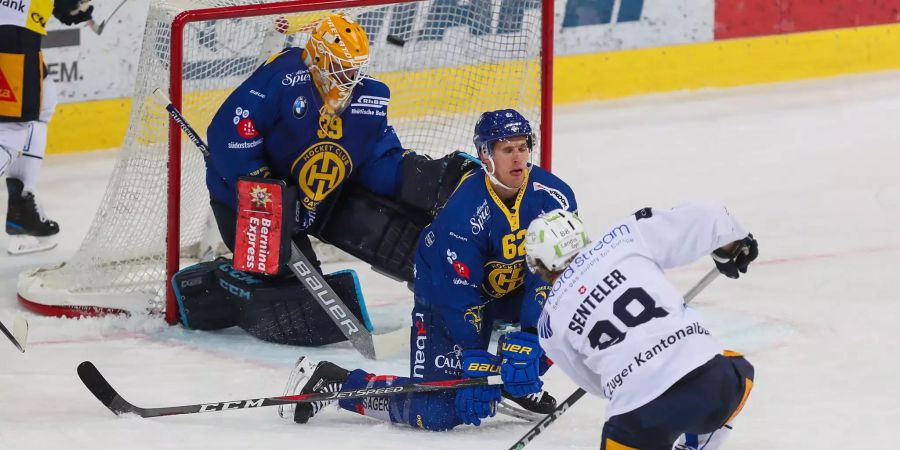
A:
x: 445, y: 61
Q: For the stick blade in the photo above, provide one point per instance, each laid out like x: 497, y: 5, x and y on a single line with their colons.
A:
x: 94, y: 381
x: 20, y: 332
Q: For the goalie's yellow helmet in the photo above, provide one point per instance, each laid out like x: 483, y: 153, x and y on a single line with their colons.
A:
x: 337, y: 54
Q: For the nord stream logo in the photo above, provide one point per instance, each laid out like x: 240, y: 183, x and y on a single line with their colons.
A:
x: 581, y: 13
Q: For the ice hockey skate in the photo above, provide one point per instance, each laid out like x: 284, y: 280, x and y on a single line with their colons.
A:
x: 322, y: 377
x: 29, y: 231
x: 531, y: 407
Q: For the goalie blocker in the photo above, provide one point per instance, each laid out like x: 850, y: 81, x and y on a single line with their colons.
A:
x: 272, y: 305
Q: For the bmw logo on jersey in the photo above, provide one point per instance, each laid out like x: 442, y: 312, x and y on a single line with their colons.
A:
x: 300, y: 107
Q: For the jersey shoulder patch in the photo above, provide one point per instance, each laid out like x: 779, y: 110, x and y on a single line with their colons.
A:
x: 370, y: 98
x: 553, y: 186
x: 555, y: 194
x: 643, y: 213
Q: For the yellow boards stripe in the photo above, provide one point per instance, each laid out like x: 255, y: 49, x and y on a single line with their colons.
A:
x: 726, y: 63
x: 88, y: 125
x: 599, y: 76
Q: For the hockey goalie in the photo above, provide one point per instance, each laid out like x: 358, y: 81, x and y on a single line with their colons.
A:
x: 352, y: 185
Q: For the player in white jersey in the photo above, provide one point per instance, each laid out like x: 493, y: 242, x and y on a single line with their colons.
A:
x: 27, y: 101
x: 616, y: 326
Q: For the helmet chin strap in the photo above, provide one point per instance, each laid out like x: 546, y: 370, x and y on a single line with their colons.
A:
x: 491, y: 173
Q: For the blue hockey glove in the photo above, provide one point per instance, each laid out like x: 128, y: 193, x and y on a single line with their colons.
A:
x: 521, y: 365
x: 476, y: 403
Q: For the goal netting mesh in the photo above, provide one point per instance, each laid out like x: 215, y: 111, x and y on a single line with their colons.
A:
x: 444, y: 61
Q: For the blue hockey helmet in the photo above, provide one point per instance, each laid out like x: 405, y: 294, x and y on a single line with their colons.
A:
x: 493, y: 126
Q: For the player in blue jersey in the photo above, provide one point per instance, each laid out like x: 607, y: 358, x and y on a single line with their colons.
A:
x: 311, y: 117
x: 293, y: 120
x: 470, y: 273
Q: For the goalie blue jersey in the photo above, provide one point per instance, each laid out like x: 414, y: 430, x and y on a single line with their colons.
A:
x: 270, y: 126
x: 470, y: 263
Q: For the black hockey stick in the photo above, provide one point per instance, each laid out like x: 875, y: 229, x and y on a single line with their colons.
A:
x: 355, y: 332
x: 19, y: 334
x: 98, y: 28
x: 567, y: 403
x: 104, y: 392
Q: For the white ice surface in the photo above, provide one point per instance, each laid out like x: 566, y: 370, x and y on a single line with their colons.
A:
x: 811, y: 168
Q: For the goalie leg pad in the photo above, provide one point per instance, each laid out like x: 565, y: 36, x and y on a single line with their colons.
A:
x: 283, y: 311
x: 202, y: 303
x: 213, y: 295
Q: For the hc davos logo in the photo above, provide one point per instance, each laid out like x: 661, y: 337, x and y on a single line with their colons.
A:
x: 503, y: 278
x: 323, y: 167
x: 301, y: 105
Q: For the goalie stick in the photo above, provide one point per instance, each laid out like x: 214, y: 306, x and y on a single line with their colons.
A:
x: 19, y: 333
x: 369, y: 345
x: 567, y: 403
x: 104, y: 392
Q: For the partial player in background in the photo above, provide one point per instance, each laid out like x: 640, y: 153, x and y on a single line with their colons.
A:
x: 618, y: 328
x: 470, y: 274
x: 311, y: 117
x: 27, y: 101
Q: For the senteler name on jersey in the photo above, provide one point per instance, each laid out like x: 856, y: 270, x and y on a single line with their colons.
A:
x: 596, y: 295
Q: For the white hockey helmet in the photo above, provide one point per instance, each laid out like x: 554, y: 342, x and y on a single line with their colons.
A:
x: 554, y: 238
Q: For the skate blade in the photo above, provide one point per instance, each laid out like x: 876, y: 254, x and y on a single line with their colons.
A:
x: 301, y: 373
x: 511, y: 409
x: 23, y: 245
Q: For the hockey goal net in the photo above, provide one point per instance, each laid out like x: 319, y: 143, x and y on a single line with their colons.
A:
x: 446, y: 61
